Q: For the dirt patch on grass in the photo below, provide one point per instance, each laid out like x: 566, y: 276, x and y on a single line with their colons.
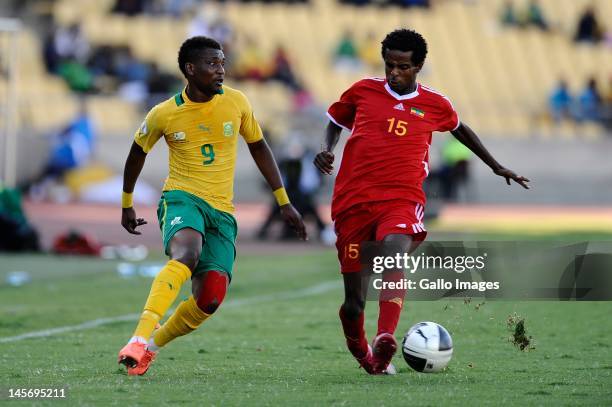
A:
x: 519, y: 338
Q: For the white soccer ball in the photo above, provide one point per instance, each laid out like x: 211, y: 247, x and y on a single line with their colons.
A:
x: 427, y: 347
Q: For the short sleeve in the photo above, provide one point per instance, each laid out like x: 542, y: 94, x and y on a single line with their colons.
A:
x: 342, y: 112
x: 449, y: 120
x: 249, y: 127
x: 150, y: 130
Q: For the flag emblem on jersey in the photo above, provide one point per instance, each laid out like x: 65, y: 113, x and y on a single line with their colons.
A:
x: 179, y: 136
x: 399, y: 106
x: 417, y: 112
x: 228, y: 129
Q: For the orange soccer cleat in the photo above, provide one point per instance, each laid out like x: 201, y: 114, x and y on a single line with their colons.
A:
x: 131, y: 354
x: 144, y: 364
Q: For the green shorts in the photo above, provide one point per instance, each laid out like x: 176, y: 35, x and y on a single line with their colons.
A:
x: 179, y: 209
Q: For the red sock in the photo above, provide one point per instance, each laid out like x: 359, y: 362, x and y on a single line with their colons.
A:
x: 390, y: 304
x: 388, y: 316
x: 355, y: 334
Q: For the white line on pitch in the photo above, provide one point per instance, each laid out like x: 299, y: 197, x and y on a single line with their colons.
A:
x: 285, y: 295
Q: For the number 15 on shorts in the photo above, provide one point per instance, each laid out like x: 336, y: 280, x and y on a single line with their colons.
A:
x: 351, y: 251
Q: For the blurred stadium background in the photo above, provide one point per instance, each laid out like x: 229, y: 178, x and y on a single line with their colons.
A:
x: 77, y: 77
x: 533, y: 78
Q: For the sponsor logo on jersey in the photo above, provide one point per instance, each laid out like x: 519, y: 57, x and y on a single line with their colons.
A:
x: 399, y: 106
x: 417, y: 112
x: 228, y: 129
x: 401, y: 225
x: 176, y: 221
x: 204, y: 128
x: 179, y: 136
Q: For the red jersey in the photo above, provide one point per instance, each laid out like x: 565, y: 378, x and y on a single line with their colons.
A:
x: 387, y: 155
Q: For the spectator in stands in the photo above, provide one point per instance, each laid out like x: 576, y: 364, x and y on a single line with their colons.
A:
x: 132, y: 75
x: 455, y: 171
x: 173, y: 8
x: 102, y: 61
x: 160, y: 85
x: 70, y: 43
x: 535, y: 15
x: 356, y: 2
x: 560, y: 102
x: 73, y: 146
x: 607, y: 108
x: 302, y: 99
x: 222, y: 31
x: 50, y: 55
x: 302, y: 181
x: 411, y: 3
x: 589, y: 102
x: 130, y: 8
x: 250, y: 64
x: 65, y: 52
x: 209, y: 21
x: 369, y: 51
x: 16, y: 233
x: 77, y: 76
x: 282, y: 70
x: 508, y: 14
x: 346, y: 56
x: 128, y: 68
x: 200, y: 23
x: 589, y: 29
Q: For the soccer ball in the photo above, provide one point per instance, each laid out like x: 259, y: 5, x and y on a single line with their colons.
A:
x: 427, y: 347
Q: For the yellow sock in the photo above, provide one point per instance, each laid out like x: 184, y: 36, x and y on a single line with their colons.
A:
x: 187, y: 317
x: 164, y: 290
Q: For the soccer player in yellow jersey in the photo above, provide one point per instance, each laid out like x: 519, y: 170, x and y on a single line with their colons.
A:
x: 200, y: 126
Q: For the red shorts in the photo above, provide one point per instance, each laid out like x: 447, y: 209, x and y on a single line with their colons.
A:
x: 372, y: 221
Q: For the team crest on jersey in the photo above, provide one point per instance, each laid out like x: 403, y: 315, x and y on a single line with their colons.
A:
x: 228, y: 129
x: 142, y: 131
x: 179, y: 136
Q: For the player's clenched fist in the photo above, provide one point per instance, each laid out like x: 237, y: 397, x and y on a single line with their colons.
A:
x: 323, y: 161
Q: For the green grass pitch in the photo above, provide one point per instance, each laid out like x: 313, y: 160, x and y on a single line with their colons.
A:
x: 278, y: 341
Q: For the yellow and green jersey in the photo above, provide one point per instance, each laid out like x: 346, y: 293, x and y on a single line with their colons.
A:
x: 202, y: 139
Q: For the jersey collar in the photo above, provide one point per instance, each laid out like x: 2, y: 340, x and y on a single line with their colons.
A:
x: 187, y: 100
x: 402, y: 97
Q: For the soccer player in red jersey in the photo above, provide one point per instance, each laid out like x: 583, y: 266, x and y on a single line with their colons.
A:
x: 378, y: 195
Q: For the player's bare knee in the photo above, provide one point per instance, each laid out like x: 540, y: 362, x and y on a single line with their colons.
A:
x: 189, y: 257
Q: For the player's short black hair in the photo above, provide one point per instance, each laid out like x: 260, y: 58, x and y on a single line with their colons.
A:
x: 406, y: 40
x: 192, y: 47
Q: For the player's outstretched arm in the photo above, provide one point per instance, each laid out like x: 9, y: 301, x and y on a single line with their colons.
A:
x: 262, y: 155
x: 133, y: 165
x: 325, y: 159
x: 467, y: 136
